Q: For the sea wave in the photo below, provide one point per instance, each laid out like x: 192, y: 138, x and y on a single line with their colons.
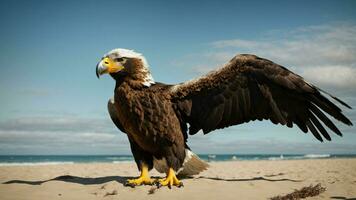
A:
x: 306, y: 156
x: 317, y: 155
x: 281, y: 157
x: 122, y: 161
x: 33, y: 163
x: 120, y: 158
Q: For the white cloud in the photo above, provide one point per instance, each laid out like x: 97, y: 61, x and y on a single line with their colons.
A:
x: 59, y: 123
x: 338, y: 76
x: 205, y: 144
x: 323, y: 54
x: 305, y: 46
x: 61, y: 135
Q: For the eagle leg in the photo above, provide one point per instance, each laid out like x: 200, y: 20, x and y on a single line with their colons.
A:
x: 143, y: 179
x: 170, y: 180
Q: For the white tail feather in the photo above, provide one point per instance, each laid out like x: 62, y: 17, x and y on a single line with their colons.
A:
x: 192, y: 164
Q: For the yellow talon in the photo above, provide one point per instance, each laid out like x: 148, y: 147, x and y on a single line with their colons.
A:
x: 170, y: 180
x: 143, y: 179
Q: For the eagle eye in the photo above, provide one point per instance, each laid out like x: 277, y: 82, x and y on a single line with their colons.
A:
x: 119, y: 59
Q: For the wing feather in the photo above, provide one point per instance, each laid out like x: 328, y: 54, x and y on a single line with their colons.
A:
x: 313, y: 130
x: 319, y: 126
x: 249, y: 88
x: 113, y: 115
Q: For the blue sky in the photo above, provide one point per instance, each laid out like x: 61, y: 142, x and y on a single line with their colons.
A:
x: 52, y: 103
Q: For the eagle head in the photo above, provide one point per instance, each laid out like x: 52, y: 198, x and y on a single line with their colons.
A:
x: 121, y: 63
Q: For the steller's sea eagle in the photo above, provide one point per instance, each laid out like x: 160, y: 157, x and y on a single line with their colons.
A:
x: 155, y: 116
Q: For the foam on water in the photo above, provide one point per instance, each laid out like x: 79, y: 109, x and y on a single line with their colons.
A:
x: 317, y: 155
x: 124, y: 158
x: 117, y: 162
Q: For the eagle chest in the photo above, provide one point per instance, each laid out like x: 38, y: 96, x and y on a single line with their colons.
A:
x: 147, y: 117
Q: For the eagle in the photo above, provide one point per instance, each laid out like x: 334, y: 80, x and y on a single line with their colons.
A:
x: 157, y: 118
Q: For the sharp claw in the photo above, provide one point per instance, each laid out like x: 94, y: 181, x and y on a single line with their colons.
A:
x: 143, y: 179
x: 169, y: 181
x: 137, y: 182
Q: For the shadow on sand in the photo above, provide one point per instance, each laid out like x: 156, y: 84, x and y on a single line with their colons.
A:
x: 122, y: 180
x: 75, y: 179
x: 260, y: 178
x: 344, y: 198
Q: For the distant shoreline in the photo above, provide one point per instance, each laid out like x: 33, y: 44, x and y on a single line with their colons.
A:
x: 28, y: 160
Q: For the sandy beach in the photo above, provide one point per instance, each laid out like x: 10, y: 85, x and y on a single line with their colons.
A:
x: 223, y: 180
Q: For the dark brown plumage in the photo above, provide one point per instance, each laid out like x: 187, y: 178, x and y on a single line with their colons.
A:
x: 155, y: 117
x: 250, y: 88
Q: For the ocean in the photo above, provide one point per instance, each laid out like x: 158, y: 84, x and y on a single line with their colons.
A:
x: 12, y: 160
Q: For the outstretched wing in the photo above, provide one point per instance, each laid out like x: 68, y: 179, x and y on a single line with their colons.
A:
x: 113, y: 115
x: 249, y: 88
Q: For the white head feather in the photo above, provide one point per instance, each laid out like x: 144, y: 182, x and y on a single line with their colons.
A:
x: 148, y: 80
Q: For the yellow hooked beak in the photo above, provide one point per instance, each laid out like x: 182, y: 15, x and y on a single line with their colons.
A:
x: 107, y: 66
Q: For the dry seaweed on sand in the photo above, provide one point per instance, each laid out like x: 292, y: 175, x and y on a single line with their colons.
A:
x: 114, y: 192
x: 152, y: 190
x: 309, y: 191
